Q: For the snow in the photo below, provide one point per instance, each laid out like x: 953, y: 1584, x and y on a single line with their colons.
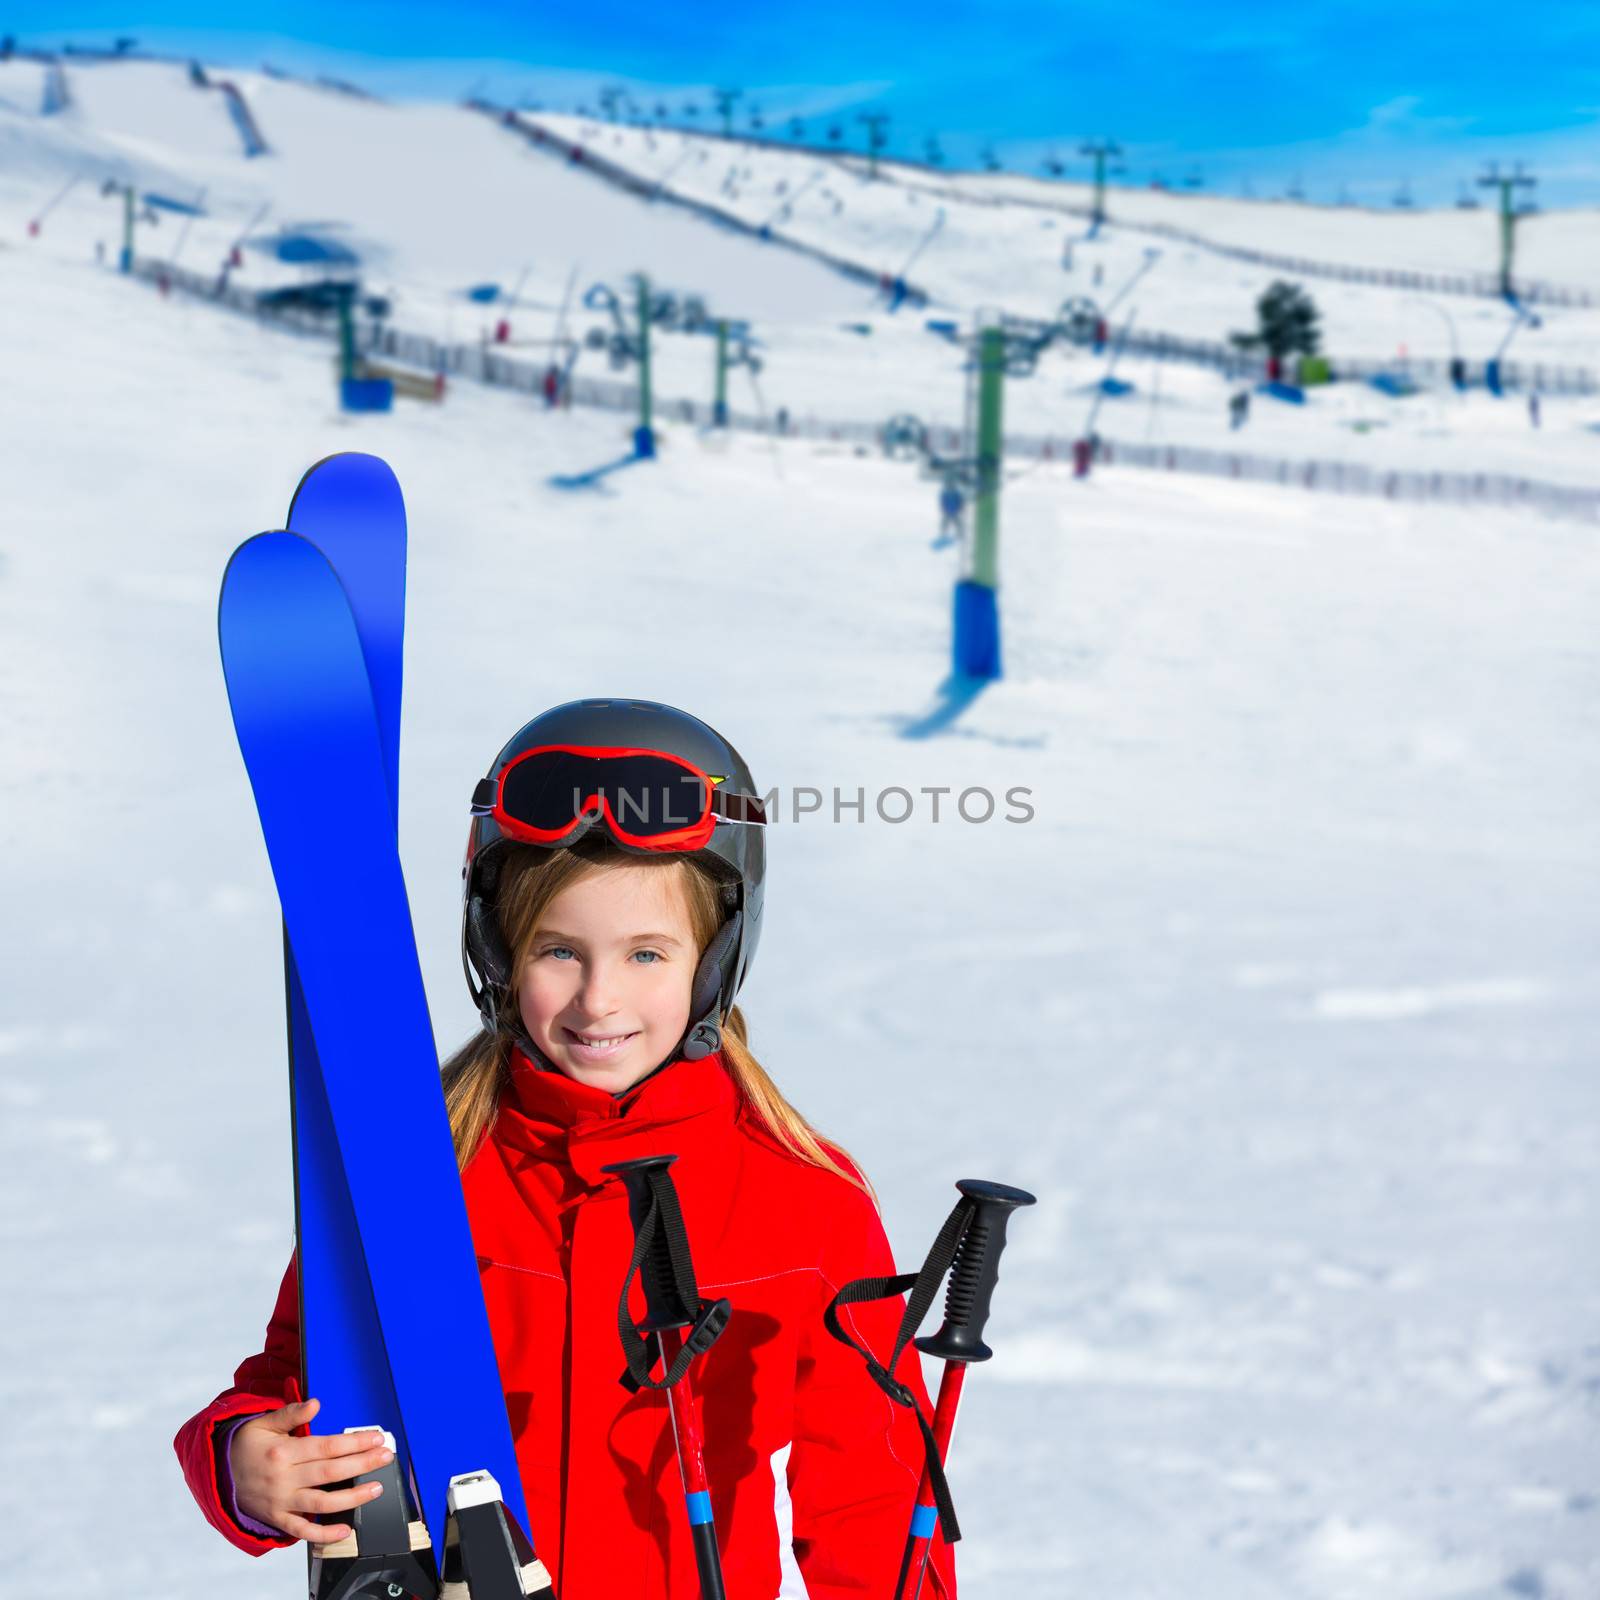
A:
x: 1282, y: 1001
x: 1195, y: 291
x: 148, y: 108
x: 440, y: 198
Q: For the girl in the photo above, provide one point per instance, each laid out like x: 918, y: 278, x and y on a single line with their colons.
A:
x: 611, y: 909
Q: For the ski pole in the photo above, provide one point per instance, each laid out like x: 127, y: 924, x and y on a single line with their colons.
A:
x: 959, y: 1341
x: 661, y: 1258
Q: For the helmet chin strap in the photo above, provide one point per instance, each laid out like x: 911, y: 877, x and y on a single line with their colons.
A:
x: 712, y: 980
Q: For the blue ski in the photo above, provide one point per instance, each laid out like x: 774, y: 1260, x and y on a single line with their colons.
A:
x: 303, y: 708
x: 351, y: 508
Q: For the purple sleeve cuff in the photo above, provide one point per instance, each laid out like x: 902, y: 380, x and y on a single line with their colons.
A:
x: 225, y: 1484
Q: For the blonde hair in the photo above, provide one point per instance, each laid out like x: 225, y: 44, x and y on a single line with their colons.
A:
x: 477, y: 1076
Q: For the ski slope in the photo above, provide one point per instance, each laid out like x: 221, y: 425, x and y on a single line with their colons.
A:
x: 444, y: 198
x: 438, y: 199
x: 994, y: 240
x: 1282, y: 1002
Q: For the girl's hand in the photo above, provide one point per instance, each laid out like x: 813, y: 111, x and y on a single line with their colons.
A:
x: 275, y: 1476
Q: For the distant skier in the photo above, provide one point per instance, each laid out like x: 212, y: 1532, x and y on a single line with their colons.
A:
x: 552, y: 386
x: 951, y: 504
x: 606, y: 936
x: 1533, y: 408
x: 1066, y: 255
x: 1238, y: 408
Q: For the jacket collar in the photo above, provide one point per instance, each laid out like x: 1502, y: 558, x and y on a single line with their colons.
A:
x: 553, y: 1116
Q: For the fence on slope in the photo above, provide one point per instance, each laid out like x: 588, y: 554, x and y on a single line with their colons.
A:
x: 553, y: 143
x: 1483, y: 285
x: 239, y: 112
x: 1521, y: 377
x: 483, y: 363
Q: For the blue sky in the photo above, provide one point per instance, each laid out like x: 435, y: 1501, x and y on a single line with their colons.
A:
x: 1360, y: 95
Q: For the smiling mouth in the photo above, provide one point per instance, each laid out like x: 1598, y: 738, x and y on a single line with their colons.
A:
x: 598, y: 1044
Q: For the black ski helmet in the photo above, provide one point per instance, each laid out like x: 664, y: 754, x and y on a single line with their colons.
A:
x: 735, y: 856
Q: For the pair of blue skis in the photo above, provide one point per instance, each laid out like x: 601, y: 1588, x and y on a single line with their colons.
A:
x: 394, y: 1331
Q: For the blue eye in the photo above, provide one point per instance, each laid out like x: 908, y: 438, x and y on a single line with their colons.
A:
x: 554, y: 948
x: 655, y: 955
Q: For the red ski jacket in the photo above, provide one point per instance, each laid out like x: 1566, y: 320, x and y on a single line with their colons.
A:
x: 775, y: 1235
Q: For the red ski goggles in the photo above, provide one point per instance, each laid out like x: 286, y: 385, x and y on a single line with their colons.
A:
x: 647, y: 798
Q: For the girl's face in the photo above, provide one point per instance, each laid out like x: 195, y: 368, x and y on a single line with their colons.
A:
x: 604, y: 992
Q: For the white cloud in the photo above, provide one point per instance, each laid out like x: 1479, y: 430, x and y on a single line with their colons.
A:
x: 1402, y: 118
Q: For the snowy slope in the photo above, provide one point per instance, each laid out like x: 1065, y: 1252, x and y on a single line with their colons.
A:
x: 440, y: 198
x: 960, y: 238
x: 1283, y: 1001
x: 149, y: 109
x: 447, y: 198
x: 22, y: 86
x: 1555, y: 245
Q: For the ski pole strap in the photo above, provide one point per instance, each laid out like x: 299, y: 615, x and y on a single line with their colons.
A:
x: 924, y: 1285
x: 661, y: 1255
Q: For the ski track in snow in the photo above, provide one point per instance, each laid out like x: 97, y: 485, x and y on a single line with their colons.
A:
x: 1283, y: 1002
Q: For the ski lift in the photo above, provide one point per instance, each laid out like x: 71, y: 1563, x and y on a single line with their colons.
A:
x: 664, y: 311
x: 904, y: 438
x: 1022, y: 355
x: 741, y: 353
x: 1078, y: 319
x: 622, y: 349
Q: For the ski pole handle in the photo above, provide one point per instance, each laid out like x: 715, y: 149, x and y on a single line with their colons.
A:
x: 976, y: 1271
x: 666, y: 1307
x: 973, y: 1276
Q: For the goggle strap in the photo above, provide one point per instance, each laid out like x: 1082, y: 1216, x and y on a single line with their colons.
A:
x: 732, y: 807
